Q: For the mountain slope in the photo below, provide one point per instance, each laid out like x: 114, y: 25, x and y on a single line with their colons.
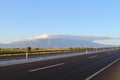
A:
x: 50, y: 41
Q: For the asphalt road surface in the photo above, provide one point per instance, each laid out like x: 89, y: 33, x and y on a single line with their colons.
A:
x: 111, y: 73
x: 70, y: 68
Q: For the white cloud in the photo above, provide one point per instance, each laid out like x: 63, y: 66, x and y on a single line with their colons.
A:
x: 115, y: 42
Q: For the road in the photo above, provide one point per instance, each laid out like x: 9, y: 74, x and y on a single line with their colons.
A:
x: 111, y: 73
x: 69, y: 68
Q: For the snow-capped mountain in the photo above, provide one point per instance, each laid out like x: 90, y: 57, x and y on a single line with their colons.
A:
x: 54, y: 40
x: 71, y: 37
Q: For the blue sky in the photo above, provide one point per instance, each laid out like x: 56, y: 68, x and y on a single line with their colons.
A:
x: 20, y: 19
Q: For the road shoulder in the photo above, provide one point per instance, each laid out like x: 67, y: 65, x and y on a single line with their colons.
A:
x: 111, y: 73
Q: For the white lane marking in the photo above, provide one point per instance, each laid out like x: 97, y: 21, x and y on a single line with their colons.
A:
x: 93, y: 56
x: 37, y: 69
x: 90, y: 77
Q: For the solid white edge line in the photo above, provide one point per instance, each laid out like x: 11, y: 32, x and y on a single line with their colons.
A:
x: 42, y: 68
x: 90, y: 77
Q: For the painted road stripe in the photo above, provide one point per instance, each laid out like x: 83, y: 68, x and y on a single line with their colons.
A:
x: 90, y: 77
x: 37, y: 69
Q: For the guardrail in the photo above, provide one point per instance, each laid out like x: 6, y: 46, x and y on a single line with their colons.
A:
x: 19, y: 61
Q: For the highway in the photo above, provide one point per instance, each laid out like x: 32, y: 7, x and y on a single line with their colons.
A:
x: 69, y: 68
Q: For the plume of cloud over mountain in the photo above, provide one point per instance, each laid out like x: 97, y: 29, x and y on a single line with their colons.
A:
x: 54, y: 40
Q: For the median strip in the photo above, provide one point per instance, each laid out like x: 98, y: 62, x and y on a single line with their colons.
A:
x: 37, y: 69
x: 42, y: 58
